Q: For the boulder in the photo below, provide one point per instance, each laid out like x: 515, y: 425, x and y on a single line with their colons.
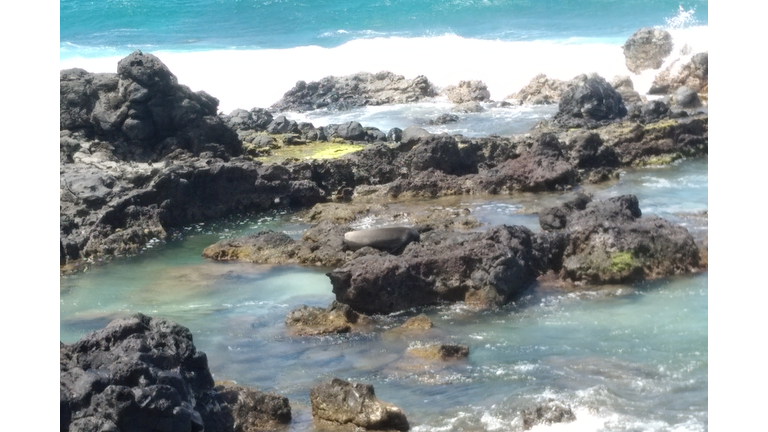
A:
x: 587, y: 150
x: 361, y: 89
x: 625, y: 87
x: 343, y: 403
x: 467, y: 91
x: 543, y: 167
x: 646, y: 49
x: 468, y: 107
x: 443, y: 119
x: 488, y: 268
x: 253, y: 410
x: 609, y: 242
x: 419, y: 322
x: 685, y: 97
x: 336, y: 318
x: 541, y: 90
x: 143, y: 373
x: 257, y: 119
x: 142, y: 110
x: 693, y: 74
x: 593, y: 101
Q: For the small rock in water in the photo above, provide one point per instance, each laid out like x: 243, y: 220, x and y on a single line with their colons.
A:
x: 344, y: 403
x: 550, y: 412
x: 442, y: 352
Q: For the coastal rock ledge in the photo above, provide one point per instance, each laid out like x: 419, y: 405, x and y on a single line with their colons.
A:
x: 145, y: 374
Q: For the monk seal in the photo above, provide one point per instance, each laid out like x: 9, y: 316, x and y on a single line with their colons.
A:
x: 389, y: 238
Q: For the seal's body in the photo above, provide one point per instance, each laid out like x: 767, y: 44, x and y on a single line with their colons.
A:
x: 390, y: 238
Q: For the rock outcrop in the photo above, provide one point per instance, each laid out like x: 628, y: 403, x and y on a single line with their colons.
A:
x: 540, y: 91
x: 646, y: 49
x: 488, y: 268
x: 693, y: 74
x: 467, y: 91
x: 340, y: 402
x: 592, y: 101
x: 143, y: 111
x: 336, y: 318
x: 361, y: 89
x: 143, y: 373
x: 626, y: 88
x: 113, y: 203
x: 609, y: 242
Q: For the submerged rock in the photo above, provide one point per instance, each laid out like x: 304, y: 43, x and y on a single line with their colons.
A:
x: 440, y: 352
x: 419, y: 322
x: 547, y: 413
x: 336, y: 318
x: 343, y: 403
x: 143, y: 373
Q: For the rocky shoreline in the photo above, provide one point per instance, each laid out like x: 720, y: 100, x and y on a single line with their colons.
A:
x: 141, y: 154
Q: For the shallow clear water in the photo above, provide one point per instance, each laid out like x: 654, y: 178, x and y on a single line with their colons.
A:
x: 493, y: 120
x: 626, y: 358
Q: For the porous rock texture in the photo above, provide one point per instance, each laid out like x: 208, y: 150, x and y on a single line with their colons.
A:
x: 540, y: 91
x: 467, y: 91
x: 343, y: 403
x: 361, y: 89
x: 693, y: 74
x: 336, y: 318
x: 646, y: 49
x: 589, y: 102
x: 145, y: 374
x: 609, y: 242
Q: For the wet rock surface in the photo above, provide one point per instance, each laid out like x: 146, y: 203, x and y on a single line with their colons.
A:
x: 487, y: 268
x: 340, y: 402
x: 609, y: 242
x: 440, y: 352
x: 336, y: 318
x: 144, y: 373
x: 547, y: 413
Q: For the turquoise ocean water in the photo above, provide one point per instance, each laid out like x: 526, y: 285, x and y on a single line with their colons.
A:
x: 93, y: 28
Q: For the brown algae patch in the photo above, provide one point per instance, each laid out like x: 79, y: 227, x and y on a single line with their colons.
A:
x: 311, y: 150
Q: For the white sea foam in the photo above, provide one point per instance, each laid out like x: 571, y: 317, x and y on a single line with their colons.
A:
x: 258, y: 78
